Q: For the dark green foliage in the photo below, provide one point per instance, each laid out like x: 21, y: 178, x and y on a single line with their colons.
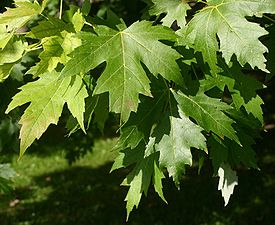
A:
x: 181, y: 81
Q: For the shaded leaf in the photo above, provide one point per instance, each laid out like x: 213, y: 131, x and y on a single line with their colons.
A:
x: 175, y: 137
x: 50, y: 27
x: 242, y: 88
x: 208, y: 113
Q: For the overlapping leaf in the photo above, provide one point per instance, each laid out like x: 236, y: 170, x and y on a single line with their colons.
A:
x: 55, y: 50
x: 139, y: 181
x: 50, y: 27
x: 144, y: 171
x: 123, y: 51
x: 227, y: 151
x: 208, y: 113
x: 47, y: 97
x: 176, y: 136
x: 176, y: 10
x: 227, y: 20
x: 4, y: 36
x: 9, y: 56
x: 242, y: 87
x: 25, y: 10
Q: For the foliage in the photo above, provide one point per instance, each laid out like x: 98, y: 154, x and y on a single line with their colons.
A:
x: 6, y: 174
x: 177, y: 91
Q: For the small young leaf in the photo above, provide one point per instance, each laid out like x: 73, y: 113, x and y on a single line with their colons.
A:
x: 55, y: 50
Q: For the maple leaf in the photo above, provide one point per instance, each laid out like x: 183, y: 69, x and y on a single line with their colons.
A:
x: 123, y: 51
x: 12, y: 52
x: 55, y: 50
x: 139, y: 179
x: 227, y: 20
x: 25, y: 10
x: 228, y: 180
x: 175, y: 137
x: 242, y: 88
x: 75, y: 99
x: 208, y: 113
x: 50, y: 27
x: 4, y: 36
x: 47, y: 97
x: 139, y: 125
x: 9, y: 56
x: 223, y: 151
x: 5, y: 70
x: 176, y: 11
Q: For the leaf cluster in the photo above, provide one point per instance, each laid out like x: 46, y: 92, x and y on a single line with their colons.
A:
x: 180, y: 81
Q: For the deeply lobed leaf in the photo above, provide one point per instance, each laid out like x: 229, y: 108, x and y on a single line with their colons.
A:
x: 47, y: 97
x: 227, y: 20
x: 123, y: 51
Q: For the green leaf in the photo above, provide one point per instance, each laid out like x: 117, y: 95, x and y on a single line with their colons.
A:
x: 176, y: 10
x: 227, y: 182
x: 47, y: 97
x: 9, y: 56
x: 75, y: 98
x: 101, y: 111
x: 139, y: 179
x: 218, y: 152
x: 50, y: 27
x: 55, y: 50
x: 12, y: 52
x: 5, y: 71
x: 175, y: 137
x: 123, y: 51
x: 157, y: 180
x: 208, y: 113
x: 15, y: 18
x: 4, y: 36
x: 242, y: 88
x: 227, y: 20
